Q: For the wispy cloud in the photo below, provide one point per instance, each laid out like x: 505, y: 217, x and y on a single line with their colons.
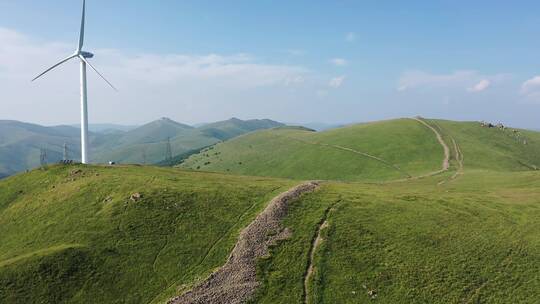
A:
x: 470, y: 80
x: 339, y: 62
x: 350, y: 37
x: 483, y: 85
x: 337, y: 82
x: 531, y: 88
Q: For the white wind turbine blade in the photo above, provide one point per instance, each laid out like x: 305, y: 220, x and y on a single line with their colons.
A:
x: 56, y: 65
x: 95, y: 70
x: 81, y: 35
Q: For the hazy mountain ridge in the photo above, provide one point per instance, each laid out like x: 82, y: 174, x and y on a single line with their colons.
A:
x: 21, y: 143
x: 148, y: 143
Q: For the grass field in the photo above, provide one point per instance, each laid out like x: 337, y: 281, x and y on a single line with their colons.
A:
x: 406, y: 147
x: 475, y: 240
x: 494, y: 149
x: 403, y: 148
x: 73, y: 235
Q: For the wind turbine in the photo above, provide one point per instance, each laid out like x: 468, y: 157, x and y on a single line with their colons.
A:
x: 83, y: 57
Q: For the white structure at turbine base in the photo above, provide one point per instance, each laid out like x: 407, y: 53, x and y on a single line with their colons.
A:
x: 83, y: 57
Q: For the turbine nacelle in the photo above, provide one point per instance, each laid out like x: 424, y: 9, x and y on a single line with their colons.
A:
x: 86, y: 55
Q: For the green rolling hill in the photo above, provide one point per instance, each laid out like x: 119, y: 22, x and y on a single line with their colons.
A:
x: 385, y: 150
x: 475, y: 239
x: 404, y: 216
x: 72, y: 234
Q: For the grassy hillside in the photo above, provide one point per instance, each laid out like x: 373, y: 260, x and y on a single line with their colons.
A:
x: 403, y: 147
x: 134, y: 234
x: 493, y: 148
x: 73, y: 235
x: 474, y: 240
x: 384, y: 150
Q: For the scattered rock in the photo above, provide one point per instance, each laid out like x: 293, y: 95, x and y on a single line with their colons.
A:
x: 135, y: 196
x: 372, y: 293
x: 75, y: 172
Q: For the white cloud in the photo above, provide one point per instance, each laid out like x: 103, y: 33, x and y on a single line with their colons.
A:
x: 235, y: 71
x: 531, y: 88
x: 531, y: 85
x: 151, y: 85
x: 339, y: 62
x: 337, y: 82
x: 483, y: 85
x: 470, y: 80
x: 350, y: 37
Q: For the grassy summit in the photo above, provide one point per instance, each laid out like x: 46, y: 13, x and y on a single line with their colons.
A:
x: 406, y: 147
x: 385, y: 150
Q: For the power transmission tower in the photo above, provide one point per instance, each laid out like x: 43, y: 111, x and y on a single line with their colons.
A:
x: 144, y: 156
x: 65, y: 157
x: 43, y: 157
x: 168, y: 152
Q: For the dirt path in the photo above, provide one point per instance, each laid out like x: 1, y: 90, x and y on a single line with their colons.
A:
x: 314, y: 246
x: 373, y: 157
x: 236, y: 281
x: 459, y: 159
x: 447, y: 155
x: 446, y: 160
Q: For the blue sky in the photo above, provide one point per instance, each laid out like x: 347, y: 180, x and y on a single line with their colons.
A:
x: 302, y: 61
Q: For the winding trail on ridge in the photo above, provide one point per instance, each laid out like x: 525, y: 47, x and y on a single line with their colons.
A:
x: 447, y: 154
x: 236, y: 281
x: 446, y: 160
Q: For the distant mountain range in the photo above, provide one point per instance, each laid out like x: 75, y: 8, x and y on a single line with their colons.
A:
x: 106, y: 128
x: 22, y: 143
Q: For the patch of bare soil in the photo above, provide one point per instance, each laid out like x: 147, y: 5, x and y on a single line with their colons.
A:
x: 236, y: 281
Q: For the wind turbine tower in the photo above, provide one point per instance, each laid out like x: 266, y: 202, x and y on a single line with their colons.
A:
x: 83, y: 57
